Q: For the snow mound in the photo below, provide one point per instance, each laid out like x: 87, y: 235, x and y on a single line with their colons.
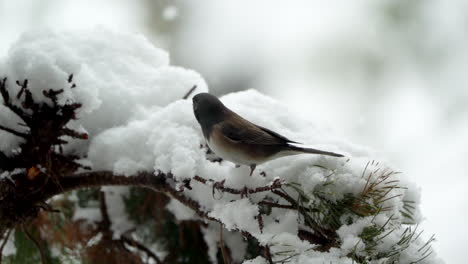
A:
x: 119, y: 75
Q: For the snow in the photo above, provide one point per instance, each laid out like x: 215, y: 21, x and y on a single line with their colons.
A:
x: 180, y: 211
x: 137, y: 120
x: 116, y: 210
x: 170, y: 12
x: 92, y: 215
x: 120, y: 75
x: 8, y: 174
x: 211, y: 237
x: 257, y: 260
x: 239, y: 214
x: 282, y: 223
x: 9, y: 142
x: 10, y: 248
x: 232, y: 240
x: 349, y: 235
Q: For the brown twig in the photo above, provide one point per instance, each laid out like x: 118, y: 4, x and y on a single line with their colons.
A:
x: 7, y: 102
x: 277, y: 205
x: 189, y: 92
x: 140, y: 247
x: 159, y: 182
x: 260, y: 222
x: 267, y: 251
x: 74, y: 134
x: 105, y: 223
x: 220, y: 186
x: 285, y: 196
x: 322, y: 242
x: 14, y: 132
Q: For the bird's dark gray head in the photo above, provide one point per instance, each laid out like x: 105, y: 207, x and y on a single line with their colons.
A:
x: 208, y: 110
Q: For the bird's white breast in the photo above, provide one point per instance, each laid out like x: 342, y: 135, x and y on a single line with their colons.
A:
x: 238, y: 156
x: 229, y: 154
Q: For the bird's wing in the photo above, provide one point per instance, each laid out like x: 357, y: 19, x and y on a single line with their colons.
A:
x: 241, y: 130
x: 273, y: 133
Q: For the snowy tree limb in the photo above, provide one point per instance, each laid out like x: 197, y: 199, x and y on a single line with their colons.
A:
x: 40, y: 170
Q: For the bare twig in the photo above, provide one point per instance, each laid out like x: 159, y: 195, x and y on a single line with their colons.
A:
x: 103, y: 208
x: 141, y: 247
x: 74, y: 134
x: 7, y: 102
x: 14, y: 132
x: 268, y: 254
x: 189, y: 92
x: 159, y: 182
x: 277, y: 205
x: 105, y: 223
x: 285, y: 196
x: 260, y: 222
x: 276, y: 184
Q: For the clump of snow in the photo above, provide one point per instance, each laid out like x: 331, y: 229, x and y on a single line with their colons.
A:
x: 94, y: 240
x: 211, y: 237
x: 180, y: 211
x: 170, y: 12
x: 137, y: 120
x: 8, y: 174
x: 10, y: 248
x: 119, y: 75
x: 233, y: 240
x: 285, y: 222
x: 239, y: 214
x: 257, y: 260
x: 120, y: 222
x: 349, y: 235
x: 92, y: 215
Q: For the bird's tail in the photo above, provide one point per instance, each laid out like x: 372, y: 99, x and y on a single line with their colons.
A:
x: 295, y: 147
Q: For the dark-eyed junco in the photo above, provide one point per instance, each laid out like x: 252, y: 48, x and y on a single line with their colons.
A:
x: 235, y: 139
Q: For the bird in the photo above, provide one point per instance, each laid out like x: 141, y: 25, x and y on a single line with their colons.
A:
x: 240, y: 141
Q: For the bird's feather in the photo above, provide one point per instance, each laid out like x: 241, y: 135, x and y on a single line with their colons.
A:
x: 241, y: 130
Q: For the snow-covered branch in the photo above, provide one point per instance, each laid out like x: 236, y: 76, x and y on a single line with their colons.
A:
x: 122, y: 119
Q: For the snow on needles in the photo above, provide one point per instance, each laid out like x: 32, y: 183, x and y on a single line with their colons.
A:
x: 137, y: 120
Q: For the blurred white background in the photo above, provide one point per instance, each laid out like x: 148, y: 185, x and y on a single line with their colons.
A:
x: 391, y: 75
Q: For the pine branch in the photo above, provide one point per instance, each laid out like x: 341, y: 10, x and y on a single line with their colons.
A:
x: 47, y: 172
